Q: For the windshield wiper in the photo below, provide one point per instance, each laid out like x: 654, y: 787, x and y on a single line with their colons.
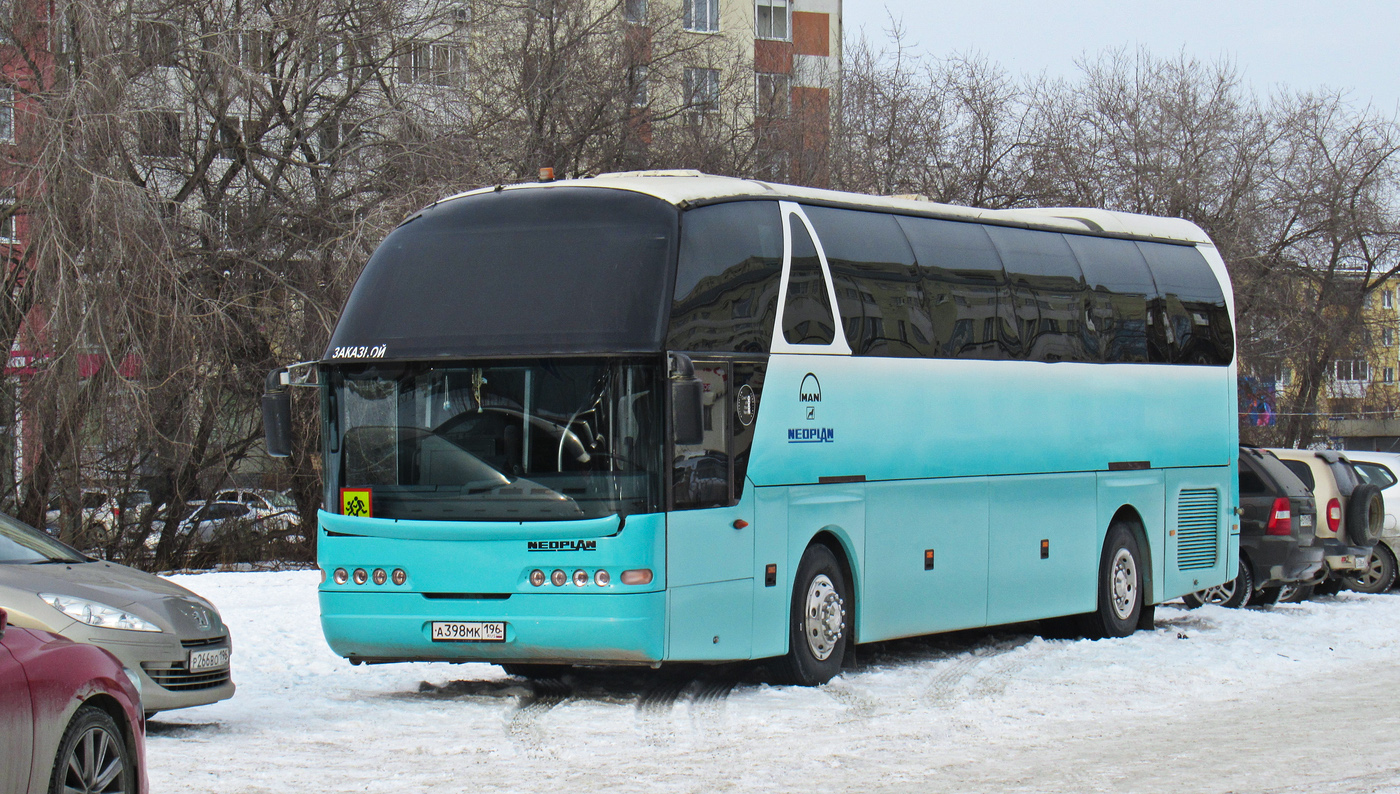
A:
x: 51, y: 560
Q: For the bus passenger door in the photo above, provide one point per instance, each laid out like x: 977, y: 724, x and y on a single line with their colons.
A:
x: 709, y: 537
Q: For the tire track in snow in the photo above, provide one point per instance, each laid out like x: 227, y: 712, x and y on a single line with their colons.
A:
x: 524, y: 726
x: 947, y: 682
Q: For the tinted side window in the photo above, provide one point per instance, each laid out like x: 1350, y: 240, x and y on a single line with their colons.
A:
x: 1047, y: 288
x: 807, y: 318
x: 1251, y: 484
x: 960, y: 280
x: 1120, y: 294
x: 1375, y: 474
x: 877, y: 286
x: 1303, y: 472
x: 726, y: 294
x: 1197, y: 321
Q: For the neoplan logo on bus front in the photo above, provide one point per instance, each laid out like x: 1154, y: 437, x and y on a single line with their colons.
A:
x: 356, y: 502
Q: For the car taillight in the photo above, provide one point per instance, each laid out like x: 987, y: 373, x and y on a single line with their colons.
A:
x: 1334, y: 515
x: 1280, y: 518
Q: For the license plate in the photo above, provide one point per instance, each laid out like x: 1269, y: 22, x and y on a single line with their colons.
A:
x: 1305, y: 520
x: 465, y: 631
x: 208, y: 659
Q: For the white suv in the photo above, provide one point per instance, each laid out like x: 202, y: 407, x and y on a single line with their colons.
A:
x: 1351, y: 511
x: 1381, y: 469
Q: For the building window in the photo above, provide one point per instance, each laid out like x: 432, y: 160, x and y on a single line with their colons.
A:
x: 1390, y: 374
x: 1387, y: 336
x: 639, y: 86
x: 772, y: 95
x: 155, y: 42
x: 7, y: 216
x: 227, y: 138
x: 702, y: 15
x: 635, y: 11
x: 255, y: 52
x: 773, y: 19
x: 158, y: 134
x: 431, y: 64
x: 7, y: 115
x: 701, y: 89
x: 1387, y: 298
x: 1352, y: 369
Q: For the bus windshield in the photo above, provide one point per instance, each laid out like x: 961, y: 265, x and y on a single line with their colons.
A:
x: 533, y: 440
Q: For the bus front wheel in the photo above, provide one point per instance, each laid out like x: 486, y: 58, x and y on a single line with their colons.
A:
x: 819, y: 625
x: 1120, y: 585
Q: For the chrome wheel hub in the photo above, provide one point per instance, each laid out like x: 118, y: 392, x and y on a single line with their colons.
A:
x: 824, y: 620
x: 1218, y: 594
x: 95, y: 765
x: 1123, y: 584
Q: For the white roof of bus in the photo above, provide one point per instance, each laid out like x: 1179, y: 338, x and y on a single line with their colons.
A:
x: 688, y: 187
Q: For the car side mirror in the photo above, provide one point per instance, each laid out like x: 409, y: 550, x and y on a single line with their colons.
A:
x: 4, y: 621
x: 277, y: 414
x: 687, y: 402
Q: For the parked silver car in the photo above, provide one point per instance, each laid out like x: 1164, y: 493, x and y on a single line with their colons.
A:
x: 174, y: 639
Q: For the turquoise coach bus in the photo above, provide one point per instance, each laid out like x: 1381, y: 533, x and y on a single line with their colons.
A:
x: 665, y: 416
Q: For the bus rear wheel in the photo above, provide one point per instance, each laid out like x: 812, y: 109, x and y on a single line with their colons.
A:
x: 819, y: 626
x: 1120, y: 586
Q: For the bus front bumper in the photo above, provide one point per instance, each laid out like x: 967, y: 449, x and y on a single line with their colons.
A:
x: 625, y: 628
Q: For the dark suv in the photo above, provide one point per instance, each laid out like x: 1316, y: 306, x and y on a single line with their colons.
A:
x: 1277, y: 542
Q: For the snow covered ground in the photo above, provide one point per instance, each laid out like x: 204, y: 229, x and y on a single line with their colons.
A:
x: 1298, y: 698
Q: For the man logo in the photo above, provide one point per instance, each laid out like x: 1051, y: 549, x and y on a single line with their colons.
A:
x: 811, y: 389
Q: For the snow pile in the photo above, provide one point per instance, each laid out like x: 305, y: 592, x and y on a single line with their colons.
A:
x: 1299, y: 697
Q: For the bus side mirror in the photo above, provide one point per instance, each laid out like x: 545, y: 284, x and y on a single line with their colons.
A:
x: 4, y: 621
x: 687, y: 402
x: 277, y: 414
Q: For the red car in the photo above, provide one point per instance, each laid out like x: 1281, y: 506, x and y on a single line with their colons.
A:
x: 70, y: 717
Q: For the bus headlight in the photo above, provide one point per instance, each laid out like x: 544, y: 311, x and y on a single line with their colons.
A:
x: 537, y: 578
x: 380, y: 577
x: 601, y: 578
x: 341, y: 576
x: 559, y: 578
x: 580, y: 578
x: 399, y: 576
x: 360, y: 576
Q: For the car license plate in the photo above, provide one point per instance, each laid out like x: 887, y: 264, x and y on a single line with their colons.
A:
x: 1305, y: 520
x: 208, y: 659
x: 469, y: 631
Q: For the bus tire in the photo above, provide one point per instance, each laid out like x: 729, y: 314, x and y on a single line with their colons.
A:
x: 819, y: 624
x: 532, y: 670
x: 1120, y: 591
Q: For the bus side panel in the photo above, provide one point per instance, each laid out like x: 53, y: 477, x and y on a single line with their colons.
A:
x: 839, y: 510
x: 710, y: 621
x: 1032, y: 580
x: 906, y: 419
x: 1142, y: 491
x: 1199, y: 504
x: 904, y: 520
x: 771, y: 603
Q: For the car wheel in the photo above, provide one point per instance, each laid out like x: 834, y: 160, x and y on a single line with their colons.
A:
x: 93, y: 757
x: 1365, y: 516
x: 1234, y: 593
x: 1377, y: 577
x: 1293, y: 593
x: 819, y: 630
x: 1120, y: 592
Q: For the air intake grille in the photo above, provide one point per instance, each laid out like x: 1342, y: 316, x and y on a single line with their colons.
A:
x: 177, y: 679
x: 1197, y: 528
